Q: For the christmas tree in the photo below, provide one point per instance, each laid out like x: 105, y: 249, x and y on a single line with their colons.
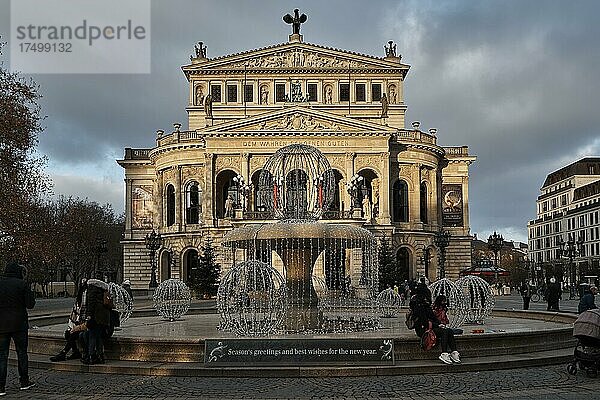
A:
x: 205, y: 278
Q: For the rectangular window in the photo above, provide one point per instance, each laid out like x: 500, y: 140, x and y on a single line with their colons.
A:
x: 249, y: 93
x: 232, y: 96
x: 280, y: 92
x: 554, y: 205
x: 312, y: 92
x: 361, y: 92
x: 375, y: 92
x: 215, y: 93
x: 545, y: 206
x: 344, y: 92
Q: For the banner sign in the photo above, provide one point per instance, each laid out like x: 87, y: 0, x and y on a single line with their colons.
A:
x: 294, y: 352
x: 452, y: 205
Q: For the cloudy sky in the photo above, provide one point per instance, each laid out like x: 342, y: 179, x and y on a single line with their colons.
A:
x: 516, y: 81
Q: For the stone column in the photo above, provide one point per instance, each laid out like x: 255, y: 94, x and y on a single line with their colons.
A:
x: 349, y: 174
x: 178, y: 197
x: 158, y: 197
x: 413, y: 194
x: 384, y: 190
x: 208, y: 199
x: 128, y: 189
x: 246, y: 167
x: 434, y: 194
x: 465, y: 191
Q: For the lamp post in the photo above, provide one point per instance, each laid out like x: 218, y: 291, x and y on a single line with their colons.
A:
x: 571, y: 249
x: 153, y: 243
x: 441, y: 241
x: 101, y: 247
x: 424, y: 261
x: 495, y: 244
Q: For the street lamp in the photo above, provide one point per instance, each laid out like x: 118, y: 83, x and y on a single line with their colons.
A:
x: 101, y: 247
x: 153, y: 243
x: 495, y: 244
x: 571, y: 249
x: 441, y: 241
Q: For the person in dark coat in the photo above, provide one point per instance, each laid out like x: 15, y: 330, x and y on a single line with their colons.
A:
x: 422, y: 290
x: 526, y: 293
x: 553, y: 295
x: 423, y: 315
x: 15, y: 298
x: 97, y: 321
x: 588, y: 300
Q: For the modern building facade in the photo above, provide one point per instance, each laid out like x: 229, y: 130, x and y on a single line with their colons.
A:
x: 202, y: 181
x: 568, y: 207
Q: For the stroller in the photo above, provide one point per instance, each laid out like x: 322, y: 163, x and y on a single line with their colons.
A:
x: 586, y: 330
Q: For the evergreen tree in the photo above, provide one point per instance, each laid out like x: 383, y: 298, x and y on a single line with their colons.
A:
x: 205, y: 278
x: 388, y: 268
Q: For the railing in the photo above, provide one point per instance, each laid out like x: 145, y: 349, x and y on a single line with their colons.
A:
x: 267, y: 215
x: 457, y: 151
x: 136, y: 154
x: 415, y: 136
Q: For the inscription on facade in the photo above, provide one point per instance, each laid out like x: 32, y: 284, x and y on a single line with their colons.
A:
x: 283, y: 143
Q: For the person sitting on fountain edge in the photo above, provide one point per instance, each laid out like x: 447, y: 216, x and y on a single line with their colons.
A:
x: 588, y: 300
x: 422, y: 315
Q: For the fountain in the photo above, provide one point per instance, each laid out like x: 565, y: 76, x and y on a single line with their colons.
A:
x: 296, y: 187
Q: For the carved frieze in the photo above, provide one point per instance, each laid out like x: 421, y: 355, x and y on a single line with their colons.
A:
x: 170, y: 176
x: 297, y: 58
x: 337, y: 161
x: 297, y: 122
x: 194, y: 172
x: 257, y: 162
x: 227, y: 162
x: 371, y: 161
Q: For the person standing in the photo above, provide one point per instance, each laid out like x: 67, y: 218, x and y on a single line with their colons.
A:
x: 553, y: 296
x: 588, y: 300
x: 526, y: 293
x: 127, y: 286
x: 15, y: 298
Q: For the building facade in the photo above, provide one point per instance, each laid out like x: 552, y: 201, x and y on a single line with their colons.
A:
x: 568, y: 207
x: 200, y: 182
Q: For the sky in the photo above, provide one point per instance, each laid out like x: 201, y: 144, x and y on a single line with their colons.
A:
x: 516, y: 81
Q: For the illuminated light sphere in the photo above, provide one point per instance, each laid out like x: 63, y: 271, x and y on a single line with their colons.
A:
x: 172, y: 299
x: 122, y: 301
x: 479, y: 299
x: 457, y: 306
x: 252, y: 299
x: 389, y: 302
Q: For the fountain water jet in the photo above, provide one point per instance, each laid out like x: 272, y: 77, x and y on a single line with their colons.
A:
x: 297, y: 185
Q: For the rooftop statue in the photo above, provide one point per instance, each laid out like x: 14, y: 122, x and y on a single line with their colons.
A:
x: 296, y: 20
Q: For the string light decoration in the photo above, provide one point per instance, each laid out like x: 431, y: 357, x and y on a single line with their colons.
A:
x: 389, y: 303
x: 457, y: 305
x: 122, y: 301
x: 479, y: 299
x: 172, y: 299
x: 296, y: 186
x: 251, y: 299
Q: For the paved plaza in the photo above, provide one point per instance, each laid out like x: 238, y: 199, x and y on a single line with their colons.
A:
x: 550, y: 382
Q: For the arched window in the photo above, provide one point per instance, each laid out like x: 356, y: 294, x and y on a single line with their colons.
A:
x: 423, y: 202
x: 296, y: 193
x: 400, y: 201
x: 193, y: 203
x: 190, y: 266
x: 170, y: 202
x: 403, y: 261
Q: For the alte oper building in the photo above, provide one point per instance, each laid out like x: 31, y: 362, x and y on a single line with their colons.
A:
x: 202, y: 181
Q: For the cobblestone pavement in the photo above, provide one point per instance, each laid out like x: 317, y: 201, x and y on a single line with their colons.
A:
x: 550, y: 382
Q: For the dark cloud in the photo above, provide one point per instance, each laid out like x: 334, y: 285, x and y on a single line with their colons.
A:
x: 514, y: 80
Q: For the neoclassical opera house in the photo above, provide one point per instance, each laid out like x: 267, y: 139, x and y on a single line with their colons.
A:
x: 396, y: 181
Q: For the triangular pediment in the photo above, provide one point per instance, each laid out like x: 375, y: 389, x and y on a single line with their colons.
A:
x: 295, y: 55
x: 298, y: 120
